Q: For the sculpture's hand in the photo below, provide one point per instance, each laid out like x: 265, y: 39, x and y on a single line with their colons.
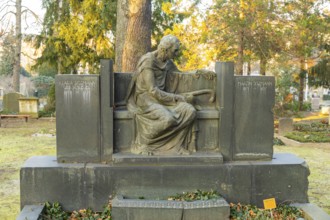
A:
x: 188, y: 97
x: 179, y: 98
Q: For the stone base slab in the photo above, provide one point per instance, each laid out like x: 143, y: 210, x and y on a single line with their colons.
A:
x: 145, y: 209
x: 80, y: 185
x: 194, y: 158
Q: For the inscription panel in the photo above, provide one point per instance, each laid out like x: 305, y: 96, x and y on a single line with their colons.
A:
x: 78, y: 118
x: 253, y: 117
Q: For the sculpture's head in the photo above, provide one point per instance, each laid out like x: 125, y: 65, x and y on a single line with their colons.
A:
x: 168, y: 47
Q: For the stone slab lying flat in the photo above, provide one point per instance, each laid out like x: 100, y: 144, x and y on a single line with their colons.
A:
x: 80, y: 185
x: 195, y: 158
x: 312, y: 211
x: 137, y: 209
x: 31, y: 212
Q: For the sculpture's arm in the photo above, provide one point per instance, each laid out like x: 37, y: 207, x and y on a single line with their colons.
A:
x: 210, y: 75
x: 162, y: 96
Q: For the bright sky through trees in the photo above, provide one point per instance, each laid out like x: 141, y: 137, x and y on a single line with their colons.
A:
x: 29, y: 22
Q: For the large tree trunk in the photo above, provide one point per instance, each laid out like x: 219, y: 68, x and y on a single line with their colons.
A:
x: 302, y: 76
x: 133, y: 33
x: 121, y: 29
x: 58, y: 17
x: 240, y: 53
x: 263, y: 65
x: 18, y: 46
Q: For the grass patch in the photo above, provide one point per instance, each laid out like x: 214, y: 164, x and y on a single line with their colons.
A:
x: 17, y: 144
x: 317, y: 157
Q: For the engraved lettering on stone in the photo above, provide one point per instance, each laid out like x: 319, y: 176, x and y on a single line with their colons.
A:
x: 261, y: 86
x: 77, y: 89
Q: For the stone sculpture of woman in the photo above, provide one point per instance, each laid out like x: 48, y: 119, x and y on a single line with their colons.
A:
x: 164, y: 120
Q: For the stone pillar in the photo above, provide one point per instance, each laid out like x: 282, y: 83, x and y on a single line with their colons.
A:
x: 78, y: 118
x: 225, y: 103
x: 107, y: 103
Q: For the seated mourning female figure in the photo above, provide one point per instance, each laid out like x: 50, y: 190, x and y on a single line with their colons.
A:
x: 164, y: 120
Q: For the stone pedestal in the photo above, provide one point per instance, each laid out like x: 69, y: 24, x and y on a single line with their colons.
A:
x: 82, y: 185
x: 29, y: 106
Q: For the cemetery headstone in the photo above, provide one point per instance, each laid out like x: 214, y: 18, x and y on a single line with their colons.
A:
x: 316, y: 104
x: 253, y: 117
x: 285, y: 125
x: 29, y: 106
x: 10, y: 102
x: 78, y: 118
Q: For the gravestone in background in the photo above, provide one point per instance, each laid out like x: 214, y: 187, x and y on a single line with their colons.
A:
x: 29, y: 106
x: 316, y: 104
x: 285, y: 125
x: 10, y: 102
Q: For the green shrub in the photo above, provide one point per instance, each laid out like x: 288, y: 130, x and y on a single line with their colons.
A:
x: 326, y: 97
x: 314, y: 137
x: 312, y: 127
x: 50, y: 107
x: 43, y: 84
x: 278, y: 142
x: 193, y: 196
x: 240, y: 212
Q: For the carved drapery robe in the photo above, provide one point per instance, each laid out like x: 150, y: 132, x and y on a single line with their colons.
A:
x: 163, y: 126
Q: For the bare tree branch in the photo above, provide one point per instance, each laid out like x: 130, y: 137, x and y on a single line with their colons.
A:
x: 5, y: 6
x: 27, y: 55
x: 9, y: 12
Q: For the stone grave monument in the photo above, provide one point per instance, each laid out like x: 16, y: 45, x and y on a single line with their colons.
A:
x: 231, y: 134
x: 10, y: 102
x: 234, y: 149
x: 29, y: 106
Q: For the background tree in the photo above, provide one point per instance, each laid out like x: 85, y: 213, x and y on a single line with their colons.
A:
x: 245, y: 31
x: 319, y: 75
x: 7, y: 55
x: 306, y: 30
x: 76, y: 33
x: 7, y: 60
x: 15, y: 8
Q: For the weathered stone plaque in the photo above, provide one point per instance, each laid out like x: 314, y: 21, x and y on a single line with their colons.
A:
x: 78, y: 118
x: 253, y: 117
x: 285, y: 125
x: 29, y: 106
x: 10, y: 102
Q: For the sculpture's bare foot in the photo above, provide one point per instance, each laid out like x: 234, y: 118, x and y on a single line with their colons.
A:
x: 192, y: 147
x: 183, y: 152
x: 147, y: 153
